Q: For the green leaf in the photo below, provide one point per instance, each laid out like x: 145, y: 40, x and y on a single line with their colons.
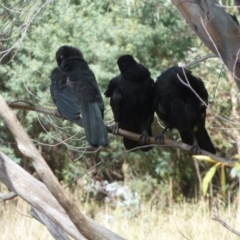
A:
x: 208, y: 177
x: 223, y: 181
x: 204, y: 158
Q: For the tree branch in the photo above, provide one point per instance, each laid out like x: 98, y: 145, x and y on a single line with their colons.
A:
x: 27, y: 148
x: 217, y: 30
x: 167, y: 142
x: 35, y: 193
x: 224, y: 224
x: 52, y: 227
x: 22, y: 104
x: 7, y: 196
x: 38, y: 196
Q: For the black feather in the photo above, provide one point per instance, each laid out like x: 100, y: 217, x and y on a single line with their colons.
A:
x: 178, y: 106
x: 85, y: 87
x: 66, y: 100
x: 131, y: 99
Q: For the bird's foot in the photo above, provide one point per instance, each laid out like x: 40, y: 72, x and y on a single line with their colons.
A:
x: 194, y: 149
x: 160, y: 139
x: 144, y: 137
x: 115, y: 128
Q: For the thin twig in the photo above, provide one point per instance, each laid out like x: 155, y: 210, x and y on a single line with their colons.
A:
x: 224, y: 224
x: 22, y: 104
x: 201, y: 59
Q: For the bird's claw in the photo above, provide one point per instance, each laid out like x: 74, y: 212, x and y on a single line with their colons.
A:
x: 115, y: 128
x: 194, y: 149
x: 160, y: 139
x: 144, y: 138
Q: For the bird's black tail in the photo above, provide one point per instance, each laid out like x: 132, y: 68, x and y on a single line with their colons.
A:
x: 202, y: 137
x: 204, y: 140
x: 131, y: 144
x: 95, y: 129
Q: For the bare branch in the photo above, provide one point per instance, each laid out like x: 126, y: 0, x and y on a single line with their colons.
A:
x: 38, y: 196
x: 201, y: 59
x: 52, y: 227
x: 35, y: 193
x: 7, y: 196
x: 217, y: 30
x: 22, y: 104
x: 27, y: 148
x: 124, y: 133
x: 173, y: 143
x: 224, y: 224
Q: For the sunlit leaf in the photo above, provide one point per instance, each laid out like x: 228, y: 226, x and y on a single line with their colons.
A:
x: 208, y: 177
x: 223, y: 181
x: 204, y: 158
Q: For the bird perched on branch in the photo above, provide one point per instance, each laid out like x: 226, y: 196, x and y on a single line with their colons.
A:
x: 131, y: 99
x: 180, y: 101
x: 79, y: 93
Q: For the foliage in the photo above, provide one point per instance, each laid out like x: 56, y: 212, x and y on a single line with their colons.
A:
x: 155, y: 34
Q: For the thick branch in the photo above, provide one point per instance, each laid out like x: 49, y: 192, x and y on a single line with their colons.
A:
x: 217, y: 30
x: 52, y: 227
x: 38, y: 196
x: 26, y: 146
x: 35, y: 193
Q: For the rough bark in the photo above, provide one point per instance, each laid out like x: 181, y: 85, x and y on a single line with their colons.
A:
x: 35, y: 193
x: 52, y: 227
x: 27, y: 148
x: 38, y: 196
x: 217, y: 30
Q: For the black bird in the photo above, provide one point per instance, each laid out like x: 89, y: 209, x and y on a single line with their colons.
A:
x: 178, y: 107
x: 83, y: 84
x: 131, y: 99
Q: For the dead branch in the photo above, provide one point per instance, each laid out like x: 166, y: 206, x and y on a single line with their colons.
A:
x: 22, y: 104
x: 35, y: 193
x: 52, y: 227
x: 224, y: 224
x: 173, y: 143
x: 7, y: 196
x: 201, y: 59
x: 217, y: 30
x: 20, y: 181
x: 124, y: 133
x: 40, y: 198
x: 27, y: 148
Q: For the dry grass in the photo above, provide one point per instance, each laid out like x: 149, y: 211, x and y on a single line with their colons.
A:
x: 17, y: 224
x: 181, y: 221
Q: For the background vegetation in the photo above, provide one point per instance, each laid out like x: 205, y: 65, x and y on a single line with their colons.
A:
x: 156, y: 35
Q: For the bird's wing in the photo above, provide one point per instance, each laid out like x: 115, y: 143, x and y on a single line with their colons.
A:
x: 112, y: 86
x: 68, y: 103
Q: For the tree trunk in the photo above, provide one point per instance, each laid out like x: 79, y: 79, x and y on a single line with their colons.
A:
x: 217, y: 30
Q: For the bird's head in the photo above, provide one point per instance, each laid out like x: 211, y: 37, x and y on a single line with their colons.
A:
x: 125, y: 62
x: 67, y: 51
